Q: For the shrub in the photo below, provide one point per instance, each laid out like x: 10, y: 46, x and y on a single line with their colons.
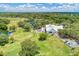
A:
x: 43, y: 36
x: 28, y: 48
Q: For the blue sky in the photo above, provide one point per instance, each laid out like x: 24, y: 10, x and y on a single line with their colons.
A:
x: 39, y: 7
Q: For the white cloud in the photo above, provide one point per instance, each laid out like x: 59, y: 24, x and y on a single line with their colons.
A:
x: 66, y: 7
x: 30, y: 5
x: 33, y: 8
x: 22, y: 6
x: 43, y: 7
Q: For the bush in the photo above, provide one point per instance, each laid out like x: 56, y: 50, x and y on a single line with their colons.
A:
x: 28, y: 48
x: 3, y: 39
x: 43, y: 36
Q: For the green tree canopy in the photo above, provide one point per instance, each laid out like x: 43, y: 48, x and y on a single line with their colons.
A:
x: 29, y: 48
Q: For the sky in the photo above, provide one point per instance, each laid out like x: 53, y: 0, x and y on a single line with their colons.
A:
x: 39, y: 7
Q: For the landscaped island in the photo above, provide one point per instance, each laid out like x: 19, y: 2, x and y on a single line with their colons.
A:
x: 39, y: 34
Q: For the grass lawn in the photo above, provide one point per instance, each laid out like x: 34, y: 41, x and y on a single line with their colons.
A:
x: 53, y: 46
x: 14, y: 48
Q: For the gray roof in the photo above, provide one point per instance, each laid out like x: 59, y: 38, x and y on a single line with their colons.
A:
x: 71, y: 43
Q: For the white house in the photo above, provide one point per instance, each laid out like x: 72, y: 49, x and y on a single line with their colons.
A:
x: 43, y: 29
x: 52, y: 28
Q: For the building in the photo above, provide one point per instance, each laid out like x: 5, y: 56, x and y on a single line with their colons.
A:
x: 43, y: 29
x: 52, y: 28
x: 71, y: 43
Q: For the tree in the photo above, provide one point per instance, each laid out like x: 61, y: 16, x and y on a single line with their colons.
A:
x: 34, y: 23
x: 3, y: 27
x: 11, y: 40
x: 29, y: 48
x: 21, y: 24
x: 43, y: 36
x: 27, y: 27
x: 3, y: 39
x: 12, y: 28
x: 4, y: 21
x: 65, y: 33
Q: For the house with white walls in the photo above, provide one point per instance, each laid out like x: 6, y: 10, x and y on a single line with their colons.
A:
x: 53, y: 28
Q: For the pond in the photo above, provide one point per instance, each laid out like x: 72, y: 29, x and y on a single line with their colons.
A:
x: 10, y: 33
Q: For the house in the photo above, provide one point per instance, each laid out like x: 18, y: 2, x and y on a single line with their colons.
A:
x: 71, y: 43
x: 40, y: 30
x: 43, y: 29
x: 52, y: 28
